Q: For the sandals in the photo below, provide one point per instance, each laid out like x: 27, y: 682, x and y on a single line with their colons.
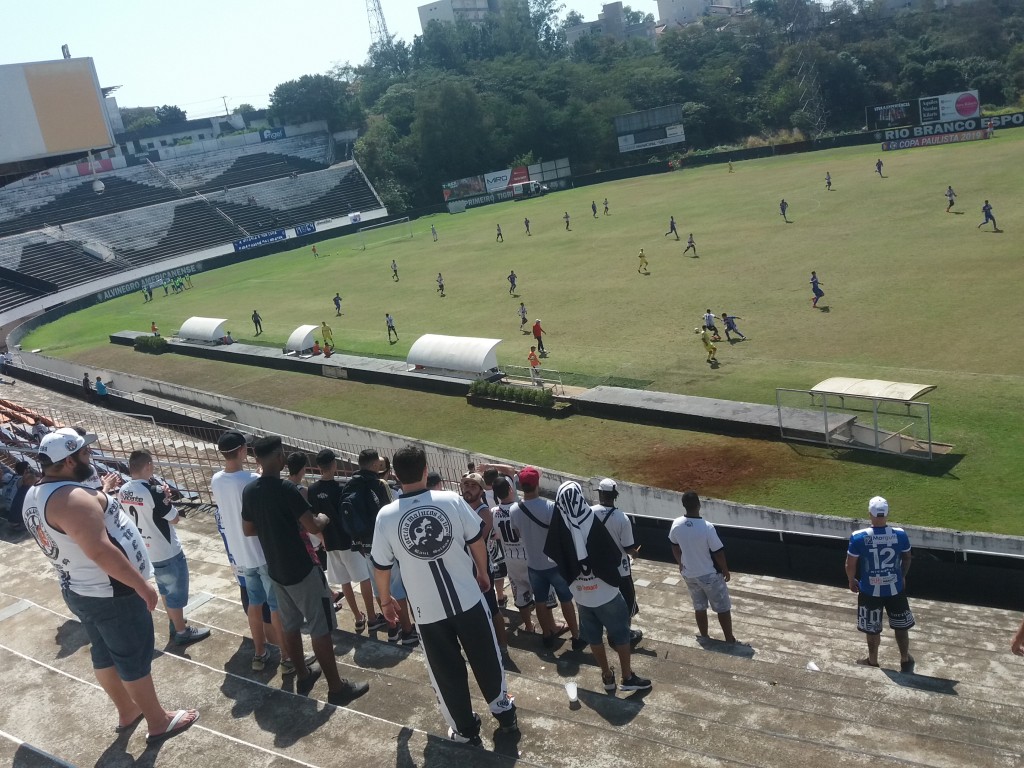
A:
x: 183, y: 720
x: 361, y: 623
x: 128, y: 726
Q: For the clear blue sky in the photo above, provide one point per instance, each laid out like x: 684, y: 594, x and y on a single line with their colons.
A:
x: 192, y: 53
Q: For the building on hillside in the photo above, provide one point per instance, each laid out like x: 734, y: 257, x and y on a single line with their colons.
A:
x: 611, y: 22
x: 895, y: 6
x: 450, y: 11
x: 675, y: 13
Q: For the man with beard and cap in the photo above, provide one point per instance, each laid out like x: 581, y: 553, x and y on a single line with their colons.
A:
x: 104, y: 573
x: 588, y: 558
x: 621, y: 529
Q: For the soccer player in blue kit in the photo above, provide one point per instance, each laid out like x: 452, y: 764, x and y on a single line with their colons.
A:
x: 877, y: 562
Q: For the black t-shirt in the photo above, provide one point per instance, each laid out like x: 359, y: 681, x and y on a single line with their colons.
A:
x: 274, y: 506
x: 325, y: 496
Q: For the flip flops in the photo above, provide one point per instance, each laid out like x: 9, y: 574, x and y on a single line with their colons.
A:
x: 866, y: 663
x: 907, y: 667
x: 129, y: 726
x: 183, y: 720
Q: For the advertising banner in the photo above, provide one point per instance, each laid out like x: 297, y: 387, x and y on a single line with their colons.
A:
x: 467, y: 187
x: 519, y: 174
x: 304, y: 229
x: 498, y: 180
x: 882, y: 116
x: 950, y: 106
x: 654, y: 137
x: 272, y: 134
x: 255, y: 241
x: 934, y: 140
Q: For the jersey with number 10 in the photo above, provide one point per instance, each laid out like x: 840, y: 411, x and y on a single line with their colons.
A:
x: 880, y: 559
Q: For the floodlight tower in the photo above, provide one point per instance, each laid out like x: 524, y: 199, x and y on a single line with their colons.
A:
x: 378, y: 27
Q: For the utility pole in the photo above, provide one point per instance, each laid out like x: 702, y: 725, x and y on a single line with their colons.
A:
x: 225, y: 100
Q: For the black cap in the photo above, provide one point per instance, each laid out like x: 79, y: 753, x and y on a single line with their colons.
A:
x: 230, y: 441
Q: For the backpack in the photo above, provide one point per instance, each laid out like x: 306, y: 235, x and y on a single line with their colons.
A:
x: 359, y: 506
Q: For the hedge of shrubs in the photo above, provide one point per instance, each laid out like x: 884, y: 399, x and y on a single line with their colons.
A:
x: 153, y: 345
x: 538, y: 396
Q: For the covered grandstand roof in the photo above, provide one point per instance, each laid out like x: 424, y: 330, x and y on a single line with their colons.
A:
x: 890, y: 390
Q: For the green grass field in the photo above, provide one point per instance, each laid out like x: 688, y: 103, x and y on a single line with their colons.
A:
x: 914, y: 294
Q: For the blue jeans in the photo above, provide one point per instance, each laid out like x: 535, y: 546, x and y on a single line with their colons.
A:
x: 172, y: 580
x: 613, y: 616
x: 259, y: 587
x: 120, y: 631
x: 541, y: 582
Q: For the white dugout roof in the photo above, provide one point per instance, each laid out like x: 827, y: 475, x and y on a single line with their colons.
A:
x: 203, y: 329
x: 465, y: 354
x: 876, y: 388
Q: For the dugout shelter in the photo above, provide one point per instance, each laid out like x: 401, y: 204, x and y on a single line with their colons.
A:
x: 301, y: 339
x: 207, y: 330
x: 463, y: 357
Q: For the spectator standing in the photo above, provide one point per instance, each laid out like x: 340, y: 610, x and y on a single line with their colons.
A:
x: 516, y: 567
x: 588, y: 558
x: 272, y: 510
x: 101, y: 391
x: 345, y: 564
x: 621, y: 530
x: 151, y: 509
x: 473, y: 495
x: 437, y: 540
x: 104, y: 572
x: 701, y: 557
x: 87, y: 387
x: 877, y: 563
x: 245, y: 552
x: 27, y: 477
x: 257, y: 322
x: 531, y: 518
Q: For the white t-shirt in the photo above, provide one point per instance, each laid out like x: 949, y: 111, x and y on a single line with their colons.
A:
x: 696, y: 539
x: 152, y: 514
x: 427, y: 533
x: 227, y: 488
x: 592, y: 591
x: 621, y: 529
x: 532, y: 534
x: 504, y: 530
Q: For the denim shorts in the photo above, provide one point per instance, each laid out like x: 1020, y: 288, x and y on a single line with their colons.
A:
x: 613, y: 616
x: 397, y: 587
x: 260, y: 587
x: 709, y: 589
x: 120, y: 632
x: 541, y: 582
x: 172, y: 580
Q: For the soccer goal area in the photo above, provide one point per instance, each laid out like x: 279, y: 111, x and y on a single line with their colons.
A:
x: 375, y: 235
x: 861, y: 414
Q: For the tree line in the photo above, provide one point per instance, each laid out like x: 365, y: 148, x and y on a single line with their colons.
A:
x: 463, y: 99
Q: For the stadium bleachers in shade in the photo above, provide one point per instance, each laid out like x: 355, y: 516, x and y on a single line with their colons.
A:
x: 195, y: 226
x: 62, y: 263
x: 12, y: 296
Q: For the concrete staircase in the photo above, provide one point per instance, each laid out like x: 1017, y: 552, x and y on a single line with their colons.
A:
x: 755, y: 704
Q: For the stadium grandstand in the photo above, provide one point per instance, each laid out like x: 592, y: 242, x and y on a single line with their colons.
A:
x: 58, y: 232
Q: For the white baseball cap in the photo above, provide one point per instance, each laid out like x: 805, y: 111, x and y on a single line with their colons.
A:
x: 878, y: 507
x: 58, y: 445
x: 606, y: 485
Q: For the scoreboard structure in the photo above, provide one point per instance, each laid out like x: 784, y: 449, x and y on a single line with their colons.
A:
x: 650, y: 128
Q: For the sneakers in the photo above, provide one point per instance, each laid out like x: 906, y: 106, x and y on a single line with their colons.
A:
x: 394, y: 634
x: 305, y: 685
x: 508, y: 722
x: 361, y: 623
x: 190, y: 635
x: 409, y: 639
x: 579, y: 644
x: 378, y: 623
x: 259, y: 663
x: 349, y: 692
x: 609, y: 681
x: 635, y: 683
x: 474, y: 740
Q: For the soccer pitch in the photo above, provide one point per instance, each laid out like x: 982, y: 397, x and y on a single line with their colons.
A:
x: 913, y: 294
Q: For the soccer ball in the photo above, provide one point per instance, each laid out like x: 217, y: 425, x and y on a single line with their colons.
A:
x: 696, y: 330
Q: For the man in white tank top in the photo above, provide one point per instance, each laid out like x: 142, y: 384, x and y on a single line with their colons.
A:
x: 104, y: 572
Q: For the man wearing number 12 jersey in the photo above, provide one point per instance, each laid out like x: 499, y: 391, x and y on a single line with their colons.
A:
x: 877, y: 562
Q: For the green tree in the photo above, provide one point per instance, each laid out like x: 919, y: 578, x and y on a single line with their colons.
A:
x: 315, y: 97
x: 170, y: 115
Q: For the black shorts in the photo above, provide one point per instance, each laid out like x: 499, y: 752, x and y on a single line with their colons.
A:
x: 869, y: 613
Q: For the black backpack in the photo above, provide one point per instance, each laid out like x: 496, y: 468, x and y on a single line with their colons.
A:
x: 360, y: 503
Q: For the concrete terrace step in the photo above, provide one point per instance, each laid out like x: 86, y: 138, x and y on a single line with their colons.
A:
x: 715, y: 705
